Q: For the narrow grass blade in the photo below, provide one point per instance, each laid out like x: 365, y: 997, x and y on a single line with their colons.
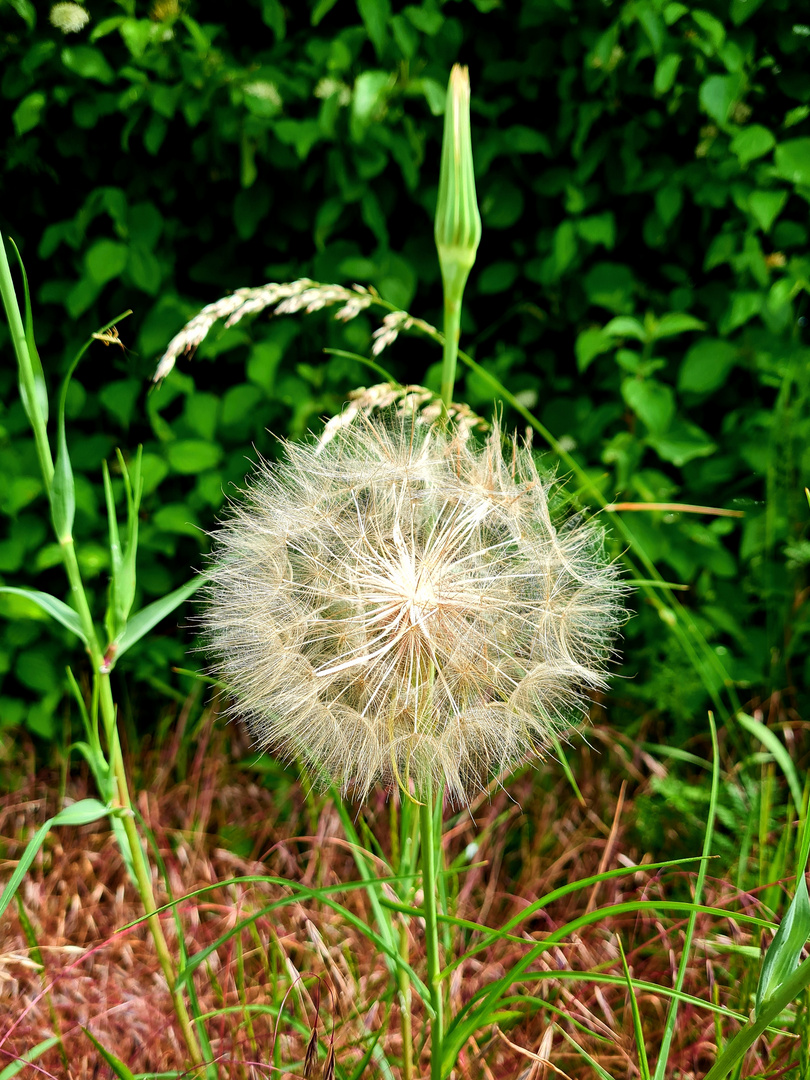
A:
x: 381, y: 914
x: 643, y: 1064
x: 152, y: 614
x: 494, y: 936
x: 669, y: 1027
x: 321, y: 895
x: 28, y: 1057
x: 594, y: 1064
x: 40, y: 389
x: 366, y: 1058
x: 80, y: 813
x: 378, y: 368
x: 771, y: 741
x: 118, y: 1067
x: 57, y: 609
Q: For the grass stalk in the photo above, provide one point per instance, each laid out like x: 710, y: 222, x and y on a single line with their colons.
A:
x: 429, y: 855
x: 405, y: 1002
x: 142, y: 875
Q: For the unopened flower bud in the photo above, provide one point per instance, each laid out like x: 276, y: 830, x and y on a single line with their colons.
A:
x: 458, y: 223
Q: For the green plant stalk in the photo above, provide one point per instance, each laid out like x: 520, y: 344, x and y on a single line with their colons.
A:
x: 142, y: 875
x: 452, y: 330
x: 428, y: 861
x: 79, y: 597
x: 405, y: 998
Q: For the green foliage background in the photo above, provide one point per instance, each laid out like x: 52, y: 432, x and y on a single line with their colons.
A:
x: 643, y: 173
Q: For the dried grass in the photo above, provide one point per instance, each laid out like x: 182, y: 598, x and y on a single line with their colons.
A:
x: 531, y: 840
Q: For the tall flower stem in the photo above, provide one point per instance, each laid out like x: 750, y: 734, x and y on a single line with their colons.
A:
x: 429, y: 860
x: 452, y: 329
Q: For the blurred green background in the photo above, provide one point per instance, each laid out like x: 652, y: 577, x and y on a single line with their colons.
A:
x: 643, y: 174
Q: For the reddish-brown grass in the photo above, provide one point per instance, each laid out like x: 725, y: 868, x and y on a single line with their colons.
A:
x: 532, y: 838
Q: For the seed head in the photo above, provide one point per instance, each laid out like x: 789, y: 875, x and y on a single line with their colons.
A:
x: 68, y: 17
x: 396, y: 605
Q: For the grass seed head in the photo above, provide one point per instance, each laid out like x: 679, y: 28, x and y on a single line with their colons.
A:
x: 396, y: 605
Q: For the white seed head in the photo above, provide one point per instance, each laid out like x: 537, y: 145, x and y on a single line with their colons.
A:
x: 395, y: 605
x: 68, y: 17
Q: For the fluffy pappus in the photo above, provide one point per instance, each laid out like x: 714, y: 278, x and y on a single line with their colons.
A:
x: 396, y: 605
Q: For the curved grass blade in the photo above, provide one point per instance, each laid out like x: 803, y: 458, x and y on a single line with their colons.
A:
x: 118, y: 1067
x: 28, y: 1057
x: 378, y: 368
x: 322, y: 895
x: 472, y: 1017
x: 57, y: 609
x: 771, y: 741
x: 80, y: 813
x: 544, y: 901
x: 150, y: 616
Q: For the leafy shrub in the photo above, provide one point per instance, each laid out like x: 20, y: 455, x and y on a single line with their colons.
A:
x: 643, y: 175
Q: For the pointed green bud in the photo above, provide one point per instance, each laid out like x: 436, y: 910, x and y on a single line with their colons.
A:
x: 458, y: 223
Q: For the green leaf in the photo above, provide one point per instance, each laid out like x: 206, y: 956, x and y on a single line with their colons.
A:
x: 792, y: 160
x: 682, y: 442
x: 590, y: 344
x: 79, y: 813
x: 55, y: 608
x: 752, y: 142
x: 782, y: 958
x: 665, y: 73
x: 322, y: 8
x: 302, y: 134
x: 741, y: 10
x: 376, y: 14
x: 520, y: 139
x: 626, y: 326
x: 117, y: 1066
x: 674, y: 323
x: 565, y: 246
x: 151, y: 615
x: 714, y: 29
x: 598, y: 229
x: 89, y: 62
x: 610, y: 285
x: 718, y: 94
x: 29, y: 112
x: 105, y: 260
x: 189, y: 456
x: 369, y: 96
x: 653, y: 402
x: 497, y: 277
x: 706, y: 365
x: 766, y: 206
x: 26, y: 10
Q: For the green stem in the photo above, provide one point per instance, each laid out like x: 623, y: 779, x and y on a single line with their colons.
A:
x: 429, y: 876
x: 405, y: 997
x: 452, y: 330
x: 142, y: 874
